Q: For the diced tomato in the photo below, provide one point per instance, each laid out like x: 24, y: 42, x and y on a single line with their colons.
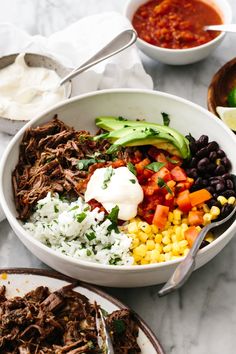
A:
x: 141, y: 165
x: 118, y: 163
x: 150, y: 189
x: 183, y: 201
x: 195, y: 218
x: 199, y: 197
x: 191, y: 234
x: 161, y: 157
x: 163, y: 173
x: 178, y: 174
x: 161, y: 216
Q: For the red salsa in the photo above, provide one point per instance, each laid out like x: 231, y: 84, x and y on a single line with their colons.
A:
x: 176, y: 24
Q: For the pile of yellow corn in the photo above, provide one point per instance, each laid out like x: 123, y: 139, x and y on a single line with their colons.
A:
x: 150, y: 245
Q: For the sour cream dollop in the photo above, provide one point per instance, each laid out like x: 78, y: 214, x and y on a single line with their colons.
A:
x: 112, y: 187
x: 27, y: 91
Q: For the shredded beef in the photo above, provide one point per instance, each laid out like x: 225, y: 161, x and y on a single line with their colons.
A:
x: 61, y: 322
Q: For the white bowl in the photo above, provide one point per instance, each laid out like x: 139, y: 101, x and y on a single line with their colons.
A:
x: 181, y: 56
x: 80, y: 113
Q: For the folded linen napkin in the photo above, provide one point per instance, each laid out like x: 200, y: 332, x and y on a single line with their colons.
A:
x: 76, y: 44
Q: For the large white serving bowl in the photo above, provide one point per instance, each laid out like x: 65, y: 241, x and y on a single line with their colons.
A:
x: 181, y: 56
x: 80, y: 113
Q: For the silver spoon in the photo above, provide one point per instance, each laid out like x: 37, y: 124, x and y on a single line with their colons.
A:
x: 186, y: 267
x: 124, y: 40
x: 104, y: 339
x: 222, y: 28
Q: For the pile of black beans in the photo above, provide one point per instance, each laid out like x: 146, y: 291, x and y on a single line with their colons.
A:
x: 210, y: 168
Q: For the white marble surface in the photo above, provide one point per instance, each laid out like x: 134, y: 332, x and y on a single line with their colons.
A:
x: 200, y: 318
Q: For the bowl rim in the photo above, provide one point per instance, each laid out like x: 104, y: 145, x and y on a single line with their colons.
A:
x: 187, y: 50
x: 93, y: 265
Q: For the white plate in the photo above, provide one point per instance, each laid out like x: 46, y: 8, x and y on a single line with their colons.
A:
x: 20, y: 281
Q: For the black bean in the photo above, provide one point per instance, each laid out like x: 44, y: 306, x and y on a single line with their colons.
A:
x: 220, y: 187
x: 213, y: 146
x: 190, y: 138
x: 193, y: 147
x: 207, y: 175
x: 193, y: 162
x: 193, y: 173
x: 203, y: 152
x: 204, y: 244
x: 203, y: 140
x: 205, y: 182
x: 198, y: 181
x: 225, y: 161
x: 213, y: 156
x: 226, y: 175
x: 220, y: 153
x: 220, y: 170
x: 229, y: 184
x: 202, y: 164
x: 215, y: 195
x: 213, y: 202
x: 211, y: 167
x: 211, y: 189
x: 214, y: 182
x: 226, y: 210
x: 229, y: 193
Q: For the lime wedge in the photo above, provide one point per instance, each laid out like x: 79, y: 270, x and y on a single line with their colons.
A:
x: 232, y: 98
x: 228, y: 116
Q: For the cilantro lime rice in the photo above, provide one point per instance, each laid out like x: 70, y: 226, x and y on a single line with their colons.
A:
x: 75, y: 230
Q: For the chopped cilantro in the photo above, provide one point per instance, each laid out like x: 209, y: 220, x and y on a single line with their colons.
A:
x: 132, y: 168
x: 115, y: 260
x: 121, y: 119
x: 162, y: 184
x: 85, y: 163
x: 56, y: 208
x: 80, y: 217
x: 91, y: 236
x: 88, y: 252
x: 74, y: 208
x: 113, y: 217
x: 119, y: 326
x: 132, y: 181
x: 107, y: 176
x: 155, y: 166
x: 171, y: 160
x: 166, y: 119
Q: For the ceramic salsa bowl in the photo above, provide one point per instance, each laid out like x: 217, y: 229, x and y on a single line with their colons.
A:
x: 80, y: 113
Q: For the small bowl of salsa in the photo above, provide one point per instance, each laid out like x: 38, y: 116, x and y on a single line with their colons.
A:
x: 171, y: 31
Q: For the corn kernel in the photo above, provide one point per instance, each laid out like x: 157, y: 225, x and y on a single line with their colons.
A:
x: 174, y: 238
x: 144, y: 261
x: 185, y: 221
x: 167, y: 256
x: 186, y: 251
x: 177, y: 214
x: 222, y: 200
x: 135, y: 243
x: 215, y: 211
x: 158, y: 247
x: 183, y: 243
x: 154, y: 229
x: 142, y: 236
x: 170, y: 216
x: 150, y: 245
x: 231, y: 200
x: 166, y: 240
x: 209, y: 237
x: 145, y: 227
x: 205, y: 208
x: 140, y: 251
x: 161, y: 258
x: 207, y: 217
x: 218, y: 162
x: 154, y: 255
x: 132, y: 227
x: 167, y: 248
x: 158, y: 238
x: 175, y: 249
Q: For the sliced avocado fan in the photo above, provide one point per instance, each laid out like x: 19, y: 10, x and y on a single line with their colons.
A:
x: 123, y: 132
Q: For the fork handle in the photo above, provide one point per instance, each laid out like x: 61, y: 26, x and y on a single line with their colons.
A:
x: 186, y: 267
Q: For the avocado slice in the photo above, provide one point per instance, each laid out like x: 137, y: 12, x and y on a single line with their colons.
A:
x: 119, y: 127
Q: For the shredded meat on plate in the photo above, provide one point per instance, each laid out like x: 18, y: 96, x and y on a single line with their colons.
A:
x: 62, y: 322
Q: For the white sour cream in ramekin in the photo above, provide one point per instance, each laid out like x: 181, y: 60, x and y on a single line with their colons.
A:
x: 115, y: 187
x: 27, y: 91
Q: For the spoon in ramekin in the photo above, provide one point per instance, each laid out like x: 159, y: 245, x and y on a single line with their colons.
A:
x: 221, y: 28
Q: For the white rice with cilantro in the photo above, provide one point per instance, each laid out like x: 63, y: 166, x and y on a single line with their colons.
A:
x: 73, y: 229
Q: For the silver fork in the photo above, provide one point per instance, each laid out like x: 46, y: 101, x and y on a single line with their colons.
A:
x: 104, y: 339
x: 186, y: 267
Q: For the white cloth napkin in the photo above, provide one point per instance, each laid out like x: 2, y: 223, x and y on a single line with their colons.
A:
x: 73, y: 46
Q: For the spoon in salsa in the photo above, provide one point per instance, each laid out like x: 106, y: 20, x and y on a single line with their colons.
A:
x: 222, y: 28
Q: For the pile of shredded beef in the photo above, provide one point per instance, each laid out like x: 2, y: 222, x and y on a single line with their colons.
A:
x: 62, y: 322
x: 48, y: 162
